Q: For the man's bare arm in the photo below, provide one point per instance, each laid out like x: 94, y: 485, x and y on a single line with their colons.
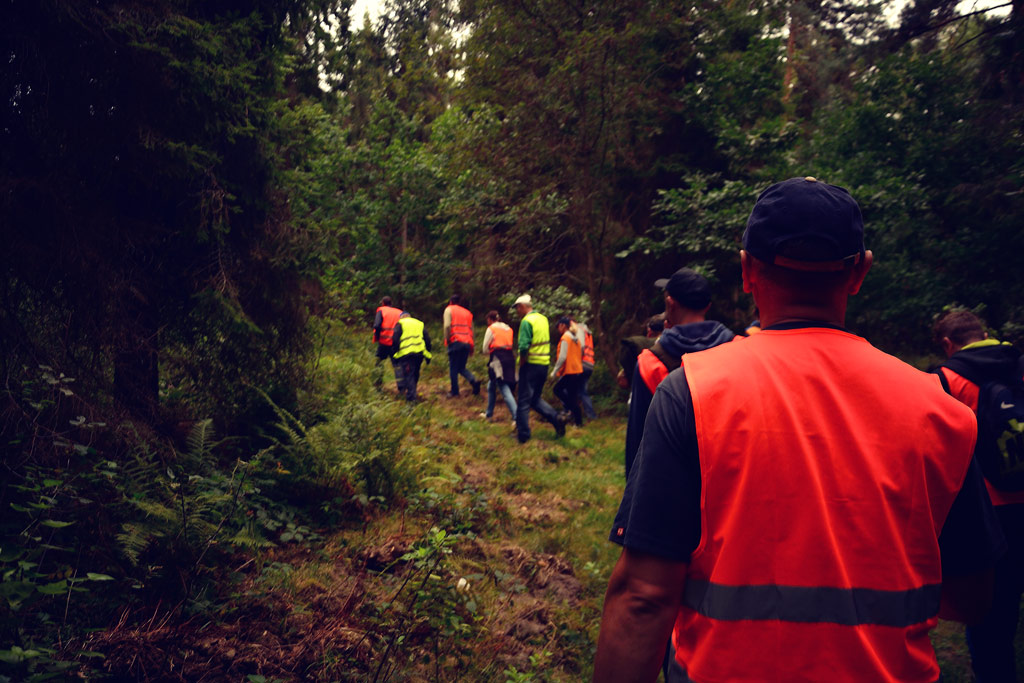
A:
x: 640, y: 607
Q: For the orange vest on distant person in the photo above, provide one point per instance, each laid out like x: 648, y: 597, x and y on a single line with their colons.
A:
x: 588, y: 349
x: 501, y: 336
x: 462, y: 325
x: 652, y: 370
x: 823, y: 494
x: 573, y: 364
x: 389, y: 316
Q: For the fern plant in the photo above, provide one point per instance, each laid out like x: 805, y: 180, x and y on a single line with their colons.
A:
x: 187, y: 508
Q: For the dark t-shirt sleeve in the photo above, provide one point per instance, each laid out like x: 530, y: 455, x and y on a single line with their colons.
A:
x: 660, y: 509
x: 972, y: 538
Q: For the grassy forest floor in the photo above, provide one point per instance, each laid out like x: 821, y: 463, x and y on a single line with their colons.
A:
x: 472, y: 558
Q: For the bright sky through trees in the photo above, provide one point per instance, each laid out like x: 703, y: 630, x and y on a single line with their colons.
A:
x: 375, y: 7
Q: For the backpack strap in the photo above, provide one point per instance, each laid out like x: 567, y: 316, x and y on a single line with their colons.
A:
x: 668, y: 361
x: 944, y: 381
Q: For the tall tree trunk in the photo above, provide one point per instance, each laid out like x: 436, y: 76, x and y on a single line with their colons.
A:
x: 136, y: 371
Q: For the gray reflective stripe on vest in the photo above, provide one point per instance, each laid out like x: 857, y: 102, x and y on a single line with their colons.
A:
x: 845, y: 606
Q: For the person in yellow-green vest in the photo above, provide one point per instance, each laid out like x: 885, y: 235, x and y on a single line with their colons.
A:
x: 534, y: 358
x: 413, y: 345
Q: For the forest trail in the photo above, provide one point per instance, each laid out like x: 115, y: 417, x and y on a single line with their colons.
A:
x: 491, y: 567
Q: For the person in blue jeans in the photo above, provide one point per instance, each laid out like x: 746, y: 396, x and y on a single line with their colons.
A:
x: 586, y: 340
x: 534, y: 358
x: 458, y: 337
x: 501, y: 370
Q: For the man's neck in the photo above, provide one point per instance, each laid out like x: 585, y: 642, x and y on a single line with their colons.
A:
x: 833, y: 315
x: 687, y: 317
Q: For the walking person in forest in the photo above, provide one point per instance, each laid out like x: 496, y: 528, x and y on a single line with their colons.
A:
x: 383, y: 333
x: 569, y: 370
x: 534, y: 358
x: 687, y: 300
x: 586, y: 339
x: 630, y: 348
x: 501, y: 369
x: 811, y: 529
x: 975, y: 361
x: 458, y: 337
x: 413, y: 346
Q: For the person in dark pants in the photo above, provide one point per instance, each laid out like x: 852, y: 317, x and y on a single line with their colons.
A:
x: 413, y: 346
x: 458, y: 337
x: 969, y: 350
x: 687, y: 300
x: 569, y: 370
x: 534, y: 358
x: 384, y: 322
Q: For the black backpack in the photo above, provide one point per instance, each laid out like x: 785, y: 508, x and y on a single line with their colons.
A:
x: 1000, y: 447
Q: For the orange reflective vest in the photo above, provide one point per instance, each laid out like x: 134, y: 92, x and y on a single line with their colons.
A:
x: 822, y: 497
x: 967, y: 392
x: 389, y: 316
x: 501, y: 337
x: 573, y: 364
x: 652, y: 370
x: 462, y: 325
x: 588, y: 349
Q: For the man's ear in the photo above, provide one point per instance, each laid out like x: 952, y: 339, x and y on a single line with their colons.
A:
x: 860, y: 271
x: 948, y: 347
x: 746, y: 263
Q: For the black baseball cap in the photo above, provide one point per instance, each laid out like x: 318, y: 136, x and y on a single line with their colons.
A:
x: 805, y: 224
x: 687, y: 287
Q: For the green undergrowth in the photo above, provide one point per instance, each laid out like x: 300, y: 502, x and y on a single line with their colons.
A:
x: 475, y: 557
x: 365, y: 540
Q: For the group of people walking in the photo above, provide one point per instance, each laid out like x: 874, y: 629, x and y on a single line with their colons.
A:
x: 405, y: 341
x: 798, y: 505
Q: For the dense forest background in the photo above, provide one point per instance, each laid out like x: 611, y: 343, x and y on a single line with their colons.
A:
x: 194, y: 194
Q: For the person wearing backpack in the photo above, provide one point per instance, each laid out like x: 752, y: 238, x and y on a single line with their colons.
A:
x: 687, y: 300
x: 985, y: 374
x: 813, y: 529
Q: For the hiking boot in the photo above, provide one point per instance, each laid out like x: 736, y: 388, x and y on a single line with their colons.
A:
x: 476, y: 387
x: 559, y: 428
x: 452, y: 394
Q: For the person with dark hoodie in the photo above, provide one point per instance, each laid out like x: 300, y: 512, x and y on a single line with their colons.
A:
x: 972, y: 361
x: 687, y: 300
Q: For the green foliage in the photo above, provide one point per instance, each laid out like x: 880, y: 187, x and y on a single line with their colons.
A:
x: 537, y: 662
x: 936, y: 166
x: 361, y: 443
x: 188, y: 510
x: 53, y: 580
x: 432, y: 607
x: 553, y: 303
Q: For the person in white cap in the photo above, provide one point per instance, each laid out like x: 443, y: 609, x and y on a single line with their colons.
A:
x: 534, y: 358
